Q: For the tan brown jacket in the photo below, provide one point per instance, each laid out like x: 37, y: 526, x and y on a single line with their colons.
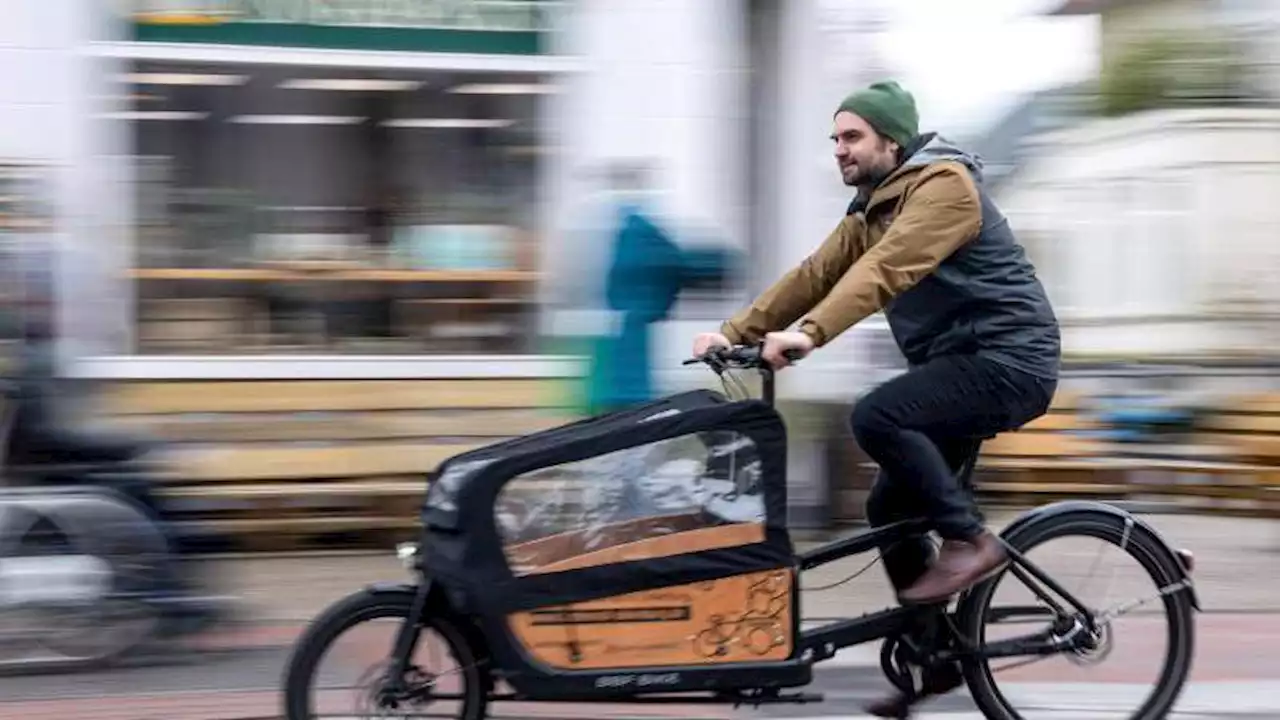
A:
x: 932, y: 251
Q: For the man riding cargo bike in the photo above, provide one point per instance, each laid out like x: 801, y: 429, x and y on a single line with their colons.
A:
x: 545, y: 581
x: 924, y: 243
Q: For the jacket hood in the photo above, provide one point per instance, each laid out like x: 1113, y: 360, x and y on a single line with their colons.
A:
x: 932, y: 148
x: 924, y: 150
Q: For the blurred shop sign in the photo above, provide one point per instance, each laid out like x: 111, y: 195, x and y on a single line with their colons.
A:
x: 483, y: 15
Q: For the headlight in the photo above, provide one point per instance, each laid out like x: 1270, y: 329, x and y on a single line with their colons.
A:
x: 408, y: 554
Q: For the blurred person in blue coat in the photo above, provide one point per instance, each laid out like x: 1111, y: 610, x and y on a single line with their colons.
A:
x: 647, y: 272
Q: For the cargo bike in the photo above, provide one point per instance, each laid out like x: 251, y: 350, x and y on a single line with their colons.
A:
x: 643, y: 556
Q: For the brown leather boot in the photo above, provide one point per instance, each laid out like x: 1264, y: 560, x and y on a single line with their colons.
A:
x: 959, y: 566
x: 938, y: 681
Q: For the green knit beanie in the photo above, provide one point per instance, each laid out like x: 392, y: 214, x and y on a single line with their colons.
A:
x: 887, y: 108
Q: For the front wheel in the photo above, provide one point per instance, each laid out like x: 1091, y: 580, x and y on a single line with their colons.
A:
x: 1144, y: 628
x: 458, y: 690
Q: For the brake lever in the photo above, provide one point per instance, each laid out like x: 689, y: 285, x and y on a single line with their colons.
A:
x: 710, y: 358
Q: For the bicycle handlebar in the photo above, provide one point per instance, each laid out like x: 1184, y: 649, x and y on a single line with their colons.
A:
x: 741, y: 356
x: 720, y: 359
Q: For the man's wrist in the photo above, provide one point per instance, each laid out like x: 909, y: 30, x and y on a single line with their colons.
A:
x: 731, y: 333
x: 811, y: 329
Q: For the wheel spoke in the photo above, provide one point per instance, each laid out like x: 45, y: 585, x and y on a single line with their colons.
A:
x: 1118, y: 611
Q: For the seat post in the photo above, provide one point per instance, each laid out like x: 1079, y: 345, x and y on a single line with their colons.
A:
x: 965, y: 474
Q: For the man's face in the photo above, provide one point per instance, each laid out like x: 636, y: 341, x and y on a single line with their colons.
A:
x: 864, y: 156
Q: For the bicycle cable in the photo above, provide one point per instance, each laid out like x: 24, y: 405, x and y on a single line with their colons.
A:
x: 838, y: 583
x: 740, y: 387
x: 879, y: 556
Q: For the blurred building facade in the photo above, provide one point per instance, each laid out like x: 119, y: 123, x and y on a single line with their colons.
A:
x: 262, y: 177
x: 257, y: 178
x: 1154, y: 229
x: 268, y: 178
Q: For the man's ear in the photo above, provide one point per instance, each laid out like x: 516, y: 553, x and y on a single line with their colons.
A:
x: 898, y: 151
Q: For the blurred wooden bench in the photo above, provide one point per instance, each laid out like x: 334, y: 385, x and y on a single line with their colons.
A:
x: 1052, y: 457
x: 1231, y: 466
x: 284, y: 463
x: 1243, y: 476
x: 1248, y: 425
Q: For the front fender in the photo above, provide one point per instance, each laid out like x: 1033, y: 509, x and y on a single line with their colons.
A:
x: 390, y: 588
x: 439, y: 601
x: 1070, y: 507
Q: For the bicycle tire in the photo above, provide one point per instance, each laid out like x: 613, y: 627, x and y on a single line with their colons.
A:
x: 363, y: 606
x: 1154, y: 558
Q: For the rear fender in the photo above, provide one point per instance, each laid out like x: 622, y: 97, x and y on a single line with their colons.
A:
x: 1173, y: 558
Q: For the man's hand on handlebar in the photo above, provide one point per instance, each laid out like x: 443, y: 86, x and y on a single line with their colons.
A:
x: 783, y: 348
x: 705, y: 341
x: 717, y: 353
x: 779, y: 349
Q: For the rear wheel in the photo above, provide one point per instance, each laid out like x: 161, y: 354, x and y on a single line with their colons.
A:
x: 458, y: 690
x: 1153, y: 606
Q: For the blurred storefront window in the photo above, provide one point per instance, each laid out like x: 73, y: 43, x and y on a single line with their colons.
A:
x: 282, y: 207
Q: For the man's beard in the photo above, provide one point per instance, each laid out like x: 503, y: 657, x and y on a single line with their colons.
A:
x: 872, y: 177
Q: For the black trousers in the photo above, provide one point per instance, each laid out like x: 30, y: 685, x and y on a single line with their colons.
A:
x: 920, y: 428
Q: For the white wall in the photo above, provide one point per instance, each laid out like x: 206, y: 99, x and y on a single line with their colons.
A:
x: 804, y: 64
x: 49, y: 94
x: 663, y: 81
x: 776, y: 192
x: 802, y: 194
x: 1149, y: 230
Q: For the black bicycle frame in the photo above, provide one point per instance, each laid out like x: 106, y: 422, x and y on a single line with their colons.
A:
x: 767, y: 385
x: 823, y: 642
